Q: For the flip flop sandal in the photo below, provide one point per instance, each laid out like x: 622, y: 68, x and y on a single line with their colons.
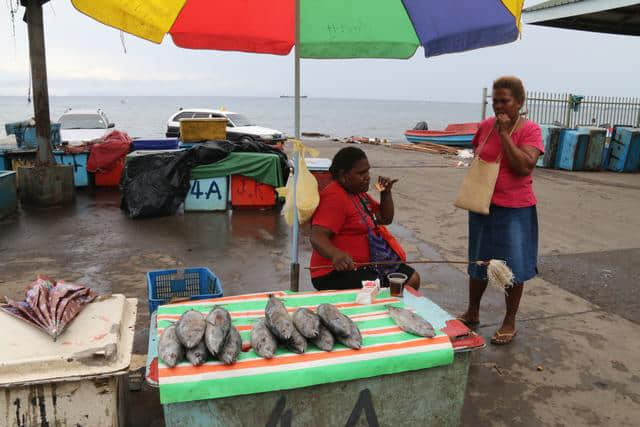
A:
x: 469, y: 324
x: 503, y: 338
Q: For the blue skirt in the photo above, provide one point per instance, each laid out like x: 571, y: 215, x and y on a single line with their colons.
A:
x: 509, y: 234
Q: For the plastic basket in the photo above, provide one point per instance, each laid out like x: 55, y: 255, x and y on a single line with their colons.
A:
x: 193, y: 130
x: 192, y: 283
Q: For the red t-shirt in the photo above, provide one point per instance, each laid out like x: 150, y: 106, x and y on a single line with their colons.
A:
x: 342, y: 213
x: 512, y: 190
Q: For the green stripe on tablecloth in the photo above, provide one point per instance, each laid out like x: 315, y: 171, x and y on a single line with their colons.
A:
x: 211, y: 389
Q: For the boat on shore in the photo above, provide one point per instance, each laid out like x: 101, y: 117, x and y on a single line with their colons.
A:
x: 457, y: 134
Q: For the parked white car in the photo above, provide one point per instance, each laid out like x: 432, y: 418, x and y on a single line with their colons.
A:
x: 77, y: 126
x: 239, y: 128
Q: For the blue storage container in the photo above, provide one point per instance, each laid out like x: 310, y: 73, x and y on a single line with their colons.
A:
x: 550, y: 138
x: 191, y: 283
x: 79, y: 163
x: 625, y: 150
x: 572, y: 150
x: 26, y: 135
x: 8, y: 193
x: 595, y: 148
x: 155, y: 144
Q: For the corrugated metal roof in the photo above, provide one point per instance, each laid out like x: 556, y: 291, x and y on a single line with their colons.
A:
x: 549, y: 4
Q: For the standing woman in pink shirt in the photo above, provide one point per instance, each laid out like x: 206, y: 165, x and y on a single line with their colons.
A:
x: 510, y: 231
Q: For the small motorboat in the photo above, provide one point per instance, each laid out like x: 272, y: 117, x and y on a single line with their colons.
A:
x: 458, y: 134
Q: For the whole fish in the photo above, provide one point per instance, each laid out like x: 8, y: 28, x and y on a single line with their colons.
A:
x: 278, y: 319
x: 333, y: 319
x: 410, y: 322
x: 262, y: 340
x: 325, y: 339
x: 190, y: 328
x: 306, y: 322
x: 231, y: 348
x: 169, y: 348
x: 198, y: 355
x: 297, y: 343
x: 218, y: 324
x: 354, y: 340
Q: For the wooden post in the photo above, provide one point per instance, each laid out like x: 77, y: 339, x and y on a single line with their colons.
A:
x: 44, y: 154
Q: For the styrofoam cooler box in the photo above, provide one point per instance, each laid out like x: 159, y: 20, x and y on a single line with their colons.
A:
x: 572, y: 150
x: 79, y: 163
x: 625, y: 150
x: 595, y: 147
x: 550, y: 138
x: 207, y: 194
x: 155, y: 144
x: 319, y: 168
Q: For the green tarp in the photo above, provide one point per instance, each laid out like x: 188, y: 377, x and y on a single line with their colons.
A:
x: 262, y: 167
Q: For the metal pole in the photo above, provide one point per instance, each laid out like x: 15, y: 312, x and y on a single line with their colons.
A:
x: 638, y: 119
x: 484, y: 103
x: 38, y: 59
x: 295, y: 266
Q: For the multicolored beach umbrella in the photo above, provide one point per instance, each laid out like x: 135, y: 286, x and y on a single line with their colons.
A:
x: 321, y: 29
x: 328, y: 28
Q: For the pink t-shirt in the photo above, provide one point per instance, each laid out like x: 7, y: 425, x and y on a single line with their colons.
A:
x: 512, y: 190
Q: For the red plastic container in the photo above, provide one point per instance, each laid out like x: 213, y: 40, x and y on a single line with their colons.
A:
x: 110, y: 178
x: 249, y: 193
x: 323, y: 177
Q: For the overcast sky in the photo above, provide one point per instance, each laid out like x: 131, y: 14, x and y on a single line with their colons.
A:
x: 87, y: 58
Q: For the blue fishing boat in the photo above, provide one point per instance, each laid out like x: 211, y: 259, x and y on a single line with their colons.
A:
x: 458, y: 134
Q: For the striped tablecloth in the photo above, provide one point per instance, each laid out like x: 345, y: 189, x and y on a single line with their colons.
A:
x: 386, y: 349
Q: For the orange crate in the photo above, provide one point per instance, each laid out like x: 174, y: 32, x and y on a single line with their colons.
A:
x: 249, y: 193
x: 110, y: 178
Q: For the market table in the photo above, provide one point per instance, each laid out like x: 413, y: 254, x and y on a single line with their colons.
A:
x: 396, y: 378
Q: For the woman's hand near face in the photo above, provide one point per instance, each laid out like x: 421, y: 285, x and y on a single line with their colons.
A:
x: 503, y: 123
x: 385, y: 184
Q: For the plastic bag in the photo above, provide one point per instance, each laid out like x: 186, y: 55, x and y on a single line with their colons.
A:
x: 307, y: 196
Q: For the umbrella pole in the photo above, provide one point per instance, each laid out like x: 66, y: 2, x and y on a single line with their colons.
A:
x: 295, y: 266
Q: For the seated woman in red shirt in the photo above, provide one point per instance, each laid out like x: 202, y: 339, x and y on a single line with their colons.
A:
x: 342, y: 223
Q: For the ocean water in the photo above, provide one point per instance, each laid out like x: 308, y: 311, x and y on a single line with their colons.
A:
x: 142, y: 116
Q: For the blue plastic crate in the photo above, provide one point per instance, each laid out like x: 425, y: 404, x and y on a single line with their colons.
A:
x: 192, y: 283
x: 26, y: 135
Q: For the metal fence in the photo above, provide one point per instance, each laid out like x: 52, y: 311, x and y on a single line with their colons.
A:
x: 569, y: 110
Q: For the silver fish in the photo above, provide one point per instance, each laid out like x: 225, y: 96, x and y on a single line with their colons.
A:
x: 169, y: 348
x: 354, y: 340
x: 278, y: 319
x: 306, y: 322
x: 262, y: 340
x: 297, y: 343
x: 198, y: 354
x: 325, y: 340
x: 333, y: 319
x: 190, y: 328
x: 231, y: 348
x: 411, y: 322
x: 218, y: 325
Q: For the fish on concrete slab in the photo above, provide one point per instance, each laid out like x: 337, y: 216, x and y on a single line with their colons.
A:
x: 231, y: 348
x: 354, y: 340
x: 262, y: 340
x: 169, y: 348
x: 325, y: 339
x: 190, y: 328
x: 306, y: 322
x: 278, y: 319
x: 333, y: 319
x: 410, y: 322
x: 198, y: 355
x: 218, y: 324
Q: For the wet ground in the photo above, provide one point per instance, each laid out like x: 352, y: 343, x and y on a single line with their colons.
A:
x: 574, y: 361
